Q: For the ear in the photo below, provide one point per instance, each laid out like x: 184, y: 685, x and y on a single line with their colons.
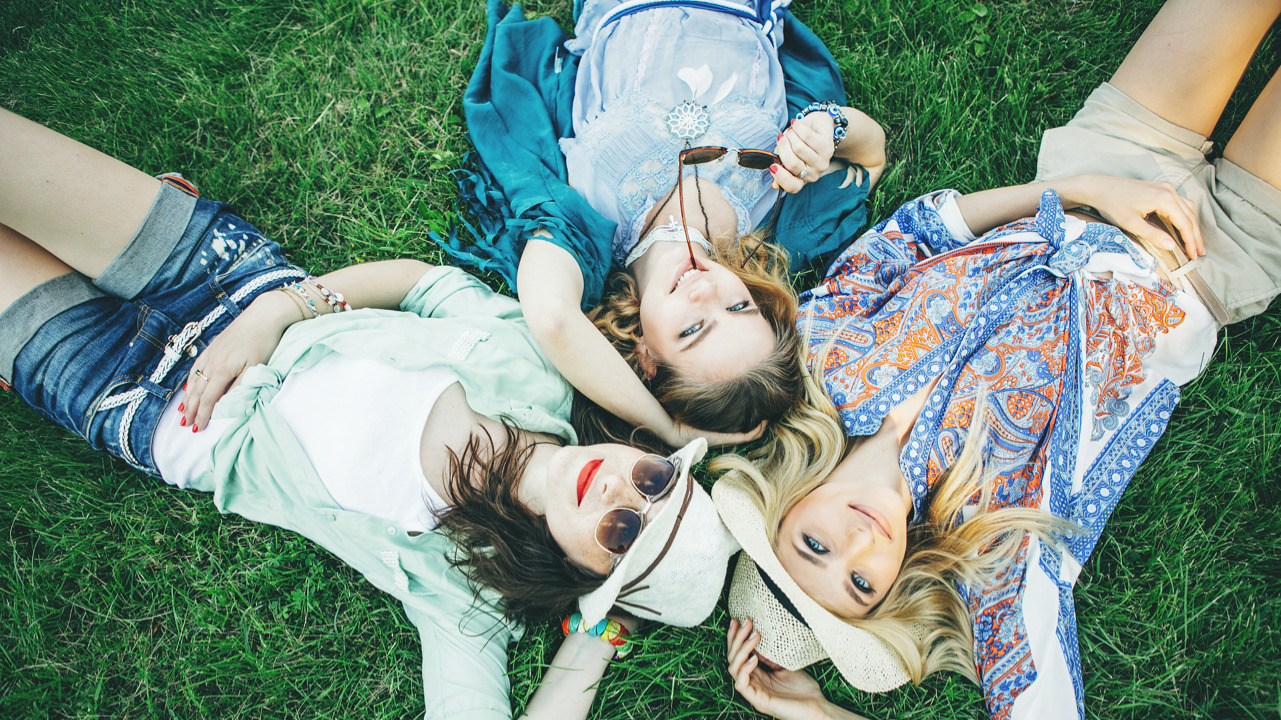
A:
x: 648, y: 363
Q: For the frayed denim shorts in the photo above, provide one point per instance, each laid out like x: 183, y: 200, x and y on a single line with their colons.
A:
x: 103, y: 357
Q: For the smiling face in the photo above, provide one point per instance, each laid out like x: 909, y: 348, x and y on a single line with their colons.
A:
x: 844, y: 542
x: 699, y: 318
x: 583, y: 483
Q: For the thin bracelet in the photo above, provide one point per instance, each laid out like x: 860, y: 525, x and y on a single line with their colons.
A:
x: 611, y: 631
x: 297, y: 290
x: 302, y: 309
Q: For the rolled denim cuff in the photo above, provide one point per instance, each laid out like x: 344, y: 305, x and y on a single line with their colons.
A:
x: 141, y: 259
x: 20, y: 321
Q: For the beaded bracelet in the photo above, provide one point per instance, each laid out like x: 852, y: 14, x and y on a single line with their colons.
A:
x: 611, y: 631
x: 333, y: 297
x: 837, y: 115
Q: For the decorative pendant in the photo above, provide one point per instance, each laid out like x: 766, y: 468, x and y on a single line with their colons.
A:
x: 688, y: 120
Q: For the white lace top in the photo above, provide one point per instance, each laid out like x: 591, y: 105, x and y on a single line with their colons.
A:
x: 634, y: 72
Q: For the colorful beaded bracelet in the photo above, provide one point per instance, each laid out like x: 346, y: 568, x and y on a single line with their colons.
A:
x: 611, y: 631
x: 837, y: 115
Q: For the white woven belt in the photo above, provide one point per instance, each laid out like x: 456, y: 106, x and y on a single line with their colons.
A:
x: 175, y: 347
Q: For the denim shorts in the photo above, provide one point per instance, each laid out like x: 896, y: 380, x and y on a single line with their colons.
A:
x: 85, y: 353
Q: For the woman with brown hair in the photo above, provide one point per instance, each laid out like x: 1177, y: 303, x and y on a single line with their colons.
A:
x: 364, y: 410
x: 1002, y: 368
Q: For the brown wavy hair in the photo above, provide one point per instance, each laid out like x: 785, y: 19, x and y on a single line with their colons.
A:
x: 763, y: 393
x: 500, y: 543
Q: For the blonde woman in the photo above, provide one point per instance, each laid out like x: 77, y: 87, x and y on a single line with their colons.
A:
x: 656, y: 141
x: 1002, y: 368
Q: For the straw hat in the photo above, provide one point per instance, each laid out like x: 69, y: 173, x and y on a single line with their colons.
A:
x: 795, y: 631
x: 674, y: 571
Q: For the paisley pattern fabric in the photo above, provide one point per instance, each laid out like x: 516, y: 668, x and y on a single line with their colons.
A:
x: 1058, y: 329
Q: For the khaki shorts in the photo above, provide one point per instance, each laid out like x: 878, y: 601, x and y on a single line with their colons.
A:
x: 1240, y: 214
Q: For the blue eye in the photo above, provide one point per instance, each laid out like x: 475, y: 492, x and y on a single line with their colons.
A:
x: 814, y: 545
x: 691, y: 330
x: 862, y: 585
x: 740, y: 307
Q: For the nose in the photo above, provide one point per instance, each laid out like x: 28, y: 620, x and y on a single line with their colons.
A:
x: 620, y: 493
x: 702, y: 289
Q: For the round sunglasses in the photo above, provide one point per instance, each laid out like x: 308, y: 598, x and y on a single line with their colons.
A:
x: 653, y: 476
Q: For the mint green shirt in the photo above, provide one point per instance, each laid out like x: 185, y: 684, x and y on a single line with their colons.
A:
x: 259, y: 471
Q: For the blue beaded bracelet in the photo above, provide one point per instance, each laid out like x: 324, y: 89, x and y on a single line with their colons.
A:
x: 837, y: 115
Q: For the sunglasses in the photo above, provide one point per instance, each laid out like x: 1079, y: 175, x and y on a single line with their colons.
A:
x: 750, y: 159
x: 653, y: 476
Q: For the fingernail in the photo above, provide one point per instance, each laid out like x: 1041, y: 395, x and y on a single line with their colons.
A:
x: 773, y: 169
x: 194, y: 428
x: 780, y: 136
x: 184, y: 387
x: 182, y: 406
x: 182, y: 422
x: 792, y: 123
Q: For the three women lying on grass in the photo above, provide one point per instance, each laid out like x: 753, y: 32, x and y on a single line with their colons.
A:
x: 1001, y: 368
x: 129, y: 305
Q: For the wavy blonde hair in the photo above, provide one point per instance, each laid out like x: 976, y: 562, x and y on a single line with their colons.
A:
x: 923, y: 618
x: 763, y: 393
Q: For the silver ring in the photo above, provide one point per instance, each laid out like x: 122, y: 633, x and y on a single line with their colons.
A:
x: 201, y: 375
x: 804, y: 172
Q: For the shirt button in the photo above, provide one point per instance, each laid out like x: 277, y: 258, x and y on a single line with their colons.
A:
x: 391, y: 530
x: 333, y: 518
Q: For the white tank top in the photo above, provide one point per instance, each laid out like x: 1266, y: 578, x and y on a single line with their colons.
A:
x: 359, y: 422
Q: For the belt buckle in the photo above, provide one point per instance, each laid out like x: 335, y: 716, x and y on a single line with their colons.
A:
x: 181, y: 341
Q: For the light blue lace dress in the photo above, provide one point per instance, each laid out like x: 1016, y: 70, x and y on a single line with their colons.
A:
x: 633, y: 72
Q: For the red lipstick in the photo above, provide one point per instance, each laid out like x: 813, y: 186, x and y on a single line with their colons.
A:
x: 585, y: 477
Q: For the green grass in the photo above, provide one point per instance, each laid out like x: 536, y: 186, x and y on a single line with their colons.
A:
x: 332, y: 124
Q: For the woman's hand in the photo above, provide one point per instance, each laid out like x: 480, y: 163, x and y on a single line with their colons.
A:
x: 804, y: 151
x: 681, y: 435
x: 1152, y: 211
x: 249, y: 340
x: 780, y: 693
x: 807, y: 148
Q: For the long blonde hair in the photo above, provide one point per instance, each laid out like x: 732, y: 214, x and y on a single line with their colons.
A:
x: 764, y: 392
x: 923, y: 618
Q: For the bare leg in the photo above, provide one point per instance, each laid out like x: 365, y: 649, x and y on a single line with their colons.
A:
x: 79, y: 204
x: 1189, y: 60
x: 24, y: 265
x: 1256, y: 146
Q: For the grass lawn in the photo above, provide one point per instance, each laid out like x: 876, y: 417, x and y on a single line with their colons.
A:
x: 332, y: 125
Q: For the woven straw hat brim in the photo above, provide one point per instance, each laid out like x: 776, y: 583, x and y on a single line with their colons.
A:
x: 683, y: 588
x: 863, y: 659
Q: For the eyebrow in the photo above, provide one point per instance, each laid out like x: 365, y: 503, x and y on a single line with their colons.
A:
x: 712, y: 326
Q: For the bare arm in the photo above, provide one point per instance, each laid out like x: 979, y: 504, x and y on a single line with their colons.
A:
x: 550, y: 286
x: 1148, y: 210
x: 569, y: 686
x: 251, y: 338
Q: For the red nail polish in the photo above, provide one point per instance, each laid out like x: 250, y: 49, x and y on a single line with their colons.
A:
x: 182, y: 406
x: 184, y: 387
x: 194, y: 428
x: 791, y: 123
x: 182, y: 422
x: 780, y: 136
x: 773, y: 169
